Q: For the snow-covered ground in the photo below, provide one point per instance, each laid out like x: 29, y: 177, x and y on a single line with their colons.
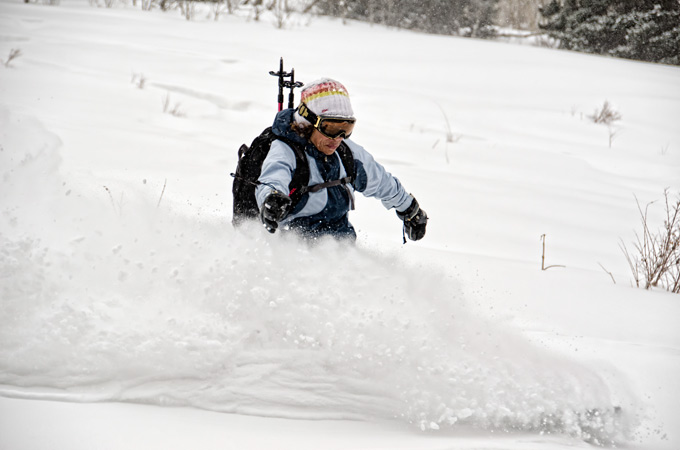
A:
x: 132, y: 315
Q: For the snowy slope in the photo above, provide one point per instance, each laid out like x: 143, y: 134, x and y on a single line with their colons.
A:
x: 122, y: 280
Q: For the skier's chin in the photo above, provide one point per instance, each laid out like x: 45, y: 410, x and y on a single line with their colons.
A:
x: 329, y: 149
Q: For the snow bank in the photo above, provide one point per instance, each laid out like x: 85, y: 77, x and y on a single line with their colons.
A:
x: 119, y: 296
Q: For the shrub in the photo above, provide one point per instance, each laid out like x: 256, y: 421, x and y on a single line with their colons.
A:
x: 655, y: 261
x: 606, y: 114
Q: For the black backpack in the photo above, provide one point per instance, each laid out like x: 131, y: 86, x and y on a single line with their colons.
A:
x: 249, y: 167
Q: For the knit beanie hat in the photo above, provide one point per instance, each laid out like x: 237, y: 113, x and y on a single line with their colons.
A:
x: 326, y: 97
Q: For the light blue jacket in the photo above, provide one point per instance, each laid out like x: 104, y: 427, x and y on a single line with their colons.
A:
x: 325, y: 212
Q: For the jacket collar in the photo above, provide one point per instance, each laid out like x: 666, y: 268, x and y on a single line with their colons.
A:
x: 281, y: 127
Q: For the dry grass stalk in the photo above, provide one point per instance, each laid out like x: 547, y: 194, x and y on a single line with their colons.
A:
x: 172, y: 110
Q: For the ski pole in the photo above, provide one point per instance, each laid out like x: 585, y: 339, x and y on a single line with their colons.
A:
x: 292, y: 84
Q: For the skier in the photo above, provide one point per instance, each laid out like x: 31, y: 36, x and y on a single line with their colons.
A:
x: 322, y: 125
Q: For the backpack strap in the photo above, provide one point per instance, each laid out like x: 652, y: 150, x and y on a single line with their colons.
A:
x: 300, y: 174
x: 347, y: 158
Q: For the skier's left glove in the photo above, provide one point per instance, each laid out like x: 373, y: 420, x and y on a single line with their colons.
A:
x: 415, y: 221
x: 274, y: 209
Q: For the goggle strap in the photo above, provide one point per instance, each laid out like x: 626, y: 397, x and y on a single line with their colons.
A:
x: 315, y: 120
x: 309, y: 115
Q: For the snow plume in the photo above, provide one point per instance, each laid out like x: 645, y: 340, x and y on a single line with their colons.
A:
x: 144, y: 304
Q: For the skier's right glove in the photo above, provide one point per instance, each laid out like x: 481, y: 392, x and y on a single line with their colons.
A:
x: 275, y: 208
x: 415, y: 221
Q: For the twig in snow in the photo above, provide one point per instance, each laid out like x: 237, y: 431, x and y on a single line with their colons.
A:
x: 450, y: 137
x: 119, y: 210
x: 110, y: 197
x: 162, y: 192
x: 543, y: 266
x: 612, y: 133
x: 172, y: 110
x: 13, y: 54
x: 610, y: 274
x: 139, y: 80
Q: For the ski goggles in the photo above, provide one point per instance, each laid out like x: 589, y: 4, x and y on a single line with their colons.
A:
x: 329, y: 126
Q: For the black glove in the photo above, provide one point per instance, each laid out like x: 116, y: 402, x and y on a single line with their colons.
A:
x: 415, y: 221
x: 274, y: 209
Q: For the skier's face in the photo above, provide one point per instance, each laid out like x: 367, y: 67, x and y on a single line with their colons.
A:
x: 324, y: 144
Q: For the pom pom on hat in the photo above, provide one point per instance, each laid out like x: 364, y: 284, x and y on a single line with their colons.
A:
x: 326, y: 97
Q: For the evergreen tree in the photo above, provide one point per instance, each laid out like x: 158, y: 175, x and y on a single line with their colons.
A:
x: 646, y: 30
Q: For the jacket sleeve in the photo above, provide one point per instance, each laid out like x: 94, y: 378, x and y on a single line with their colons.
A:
x: 277, y: 171
x: 374, y: 181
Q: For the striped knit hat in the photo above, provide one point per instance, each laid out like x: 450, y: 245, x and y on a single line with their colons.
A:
x: 326, y: 97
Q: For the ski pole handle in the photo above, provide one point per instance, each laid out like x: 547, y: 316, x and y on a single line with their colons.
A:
x: 281, y: 74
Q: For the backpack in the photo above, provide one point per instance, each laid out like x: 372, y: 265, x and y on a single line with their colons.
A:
x: 249, y: 167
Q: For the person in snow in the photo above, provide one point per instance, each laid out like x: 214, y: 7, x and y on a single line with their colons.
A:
x: 320, y: 124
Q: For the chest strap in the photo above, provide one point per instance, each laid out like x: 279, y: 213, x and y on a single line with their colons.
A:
x: 341, y: 182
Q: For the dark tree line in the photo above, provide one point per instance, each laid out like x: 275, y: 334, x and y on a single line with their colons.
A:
x: 474, y: 18
x: 646, y: 30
